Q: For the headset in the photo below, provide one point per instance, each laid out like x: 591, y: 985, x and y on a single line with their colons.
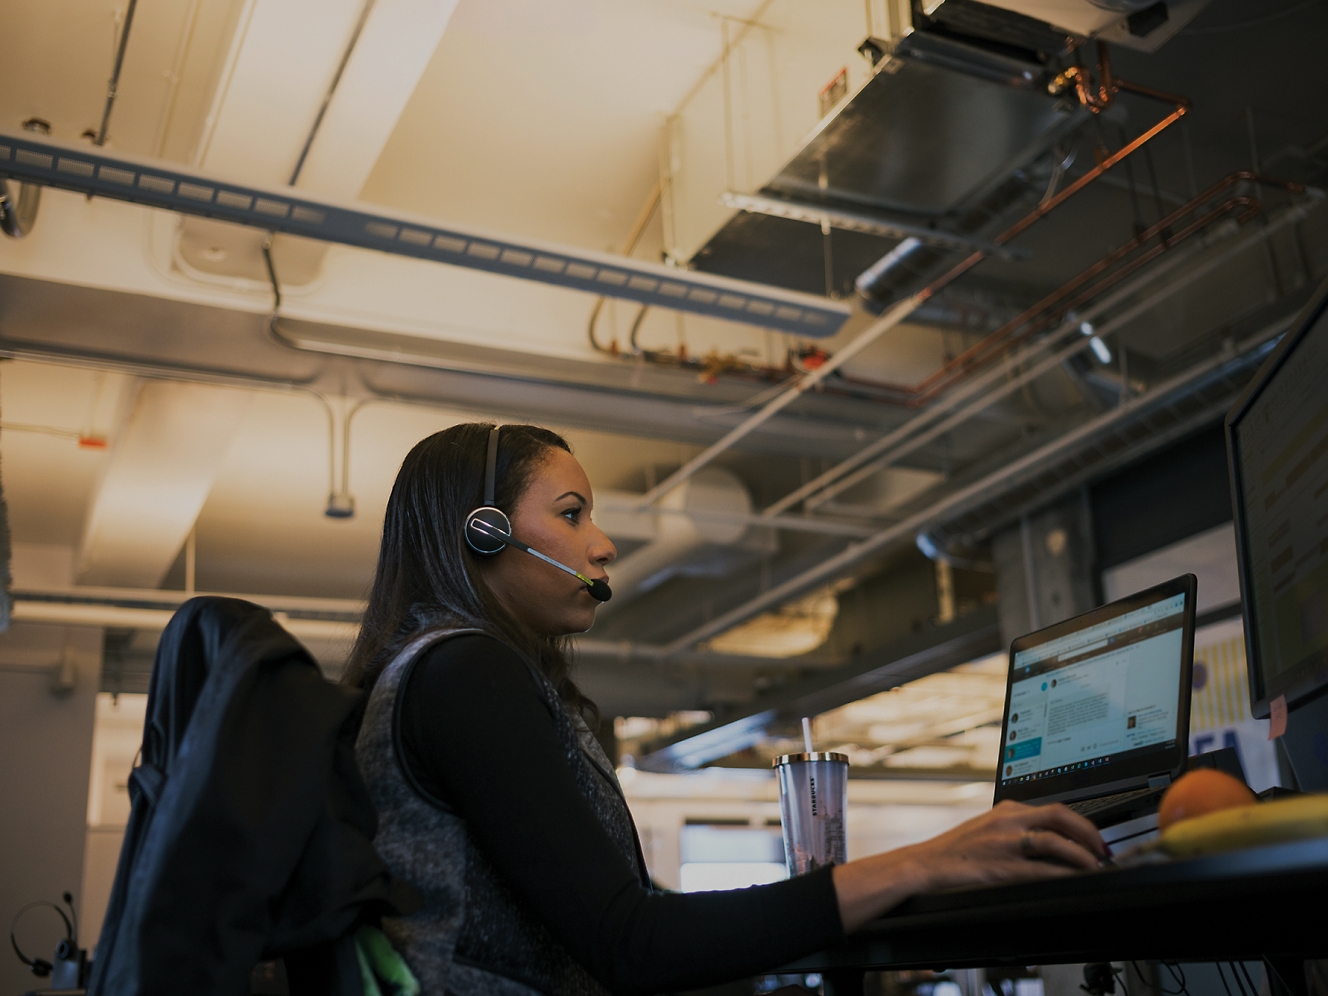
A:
x: 66, y: 952
x: 488, y: 529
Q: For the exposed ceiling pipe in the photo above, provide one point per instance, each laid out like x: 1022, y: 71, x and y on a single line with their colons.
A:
x: 849, y: 221
x: 1111, y: 268
x: 113, y: 87
x: 871, y: 458
x: 331, y: 89
x: 870, y: 277
x: 905, y: 532
x: 901, y: 310
x: 638, y: 229
x: 785, y: 398
x: 1079, y: 343
x: 616, y: 501
x: 332, y: 619
x: 19, y: 214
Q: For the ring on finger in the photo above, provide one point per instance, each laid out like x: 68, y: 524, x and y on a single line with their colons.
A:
x: 1028, y: 845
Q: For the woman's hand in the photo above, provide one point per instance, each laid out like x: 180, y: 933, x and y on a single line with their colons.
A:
x: 1011, y: 843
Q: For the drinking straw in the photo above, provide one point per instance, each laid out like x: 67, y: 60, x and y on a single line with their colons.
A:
x: 807, y: 733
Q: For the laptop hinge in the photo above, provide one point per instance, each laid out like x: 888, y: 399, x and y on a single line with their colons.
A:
x: 1159, y: 781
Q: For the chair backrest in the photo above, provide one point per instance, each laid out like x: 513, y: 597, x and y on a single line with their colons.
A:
x: 250, y: 834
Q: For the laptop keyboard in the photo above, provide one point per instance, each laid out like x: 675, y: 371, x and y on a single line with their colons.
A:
x: 1087, y: 807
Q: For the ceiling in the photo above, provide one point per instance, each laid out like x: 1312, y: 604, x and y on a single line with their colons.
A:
x: 146, y: 398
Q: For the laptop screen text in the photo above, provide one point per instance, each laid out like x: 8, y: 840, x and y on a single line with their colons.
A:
x: 1091, y: 696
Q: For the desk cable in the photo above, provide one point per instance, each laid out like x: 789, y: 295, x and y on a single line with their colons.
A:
x: 1177, y: 975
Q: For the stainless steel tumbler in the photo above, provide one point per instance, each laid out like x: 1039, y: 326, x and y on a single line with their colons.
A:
x: 813, y: 798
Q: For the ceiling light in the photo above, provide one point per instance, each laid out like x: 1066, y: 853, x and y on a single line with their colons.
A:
x: 1086, y: 328
x: 1100, y: 350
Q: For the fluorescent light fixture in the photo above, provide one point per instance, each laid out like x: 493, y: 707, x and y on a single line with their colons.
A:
x: 1100, y: 349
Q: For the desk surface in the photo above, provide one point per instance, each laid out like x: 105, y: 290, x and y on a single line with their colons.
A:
x: 1267, y: 901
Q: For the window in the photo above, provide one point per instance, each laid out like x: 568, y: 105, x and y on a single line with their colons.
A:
x: 729, y: 857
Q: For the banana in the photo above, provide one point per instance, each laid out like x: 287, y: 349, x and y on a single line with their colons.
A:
x: 1295, y: 818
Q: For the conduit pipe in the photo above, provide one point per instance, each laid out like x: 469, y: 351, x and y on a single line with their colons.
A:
x: 972, y: 386
x: 905, y: 531
x: 113, y: 87
x: 900, y: 311
x: 782, y: 400
x: 609, y: 501
x: 1080, y: 344
x: 848, y: 221
x: 332, y: 619
x: 633, y: 237
x: 1065, y: 298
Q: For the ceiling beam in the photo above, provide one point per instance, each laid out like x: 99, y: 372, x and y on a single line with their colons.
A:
x: 171, y: 187
x: 160, y: 472
x: 382, y: 69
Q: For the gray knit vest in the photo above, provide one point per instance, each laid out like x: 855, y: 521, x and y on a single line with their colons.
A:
x: 473, y: 936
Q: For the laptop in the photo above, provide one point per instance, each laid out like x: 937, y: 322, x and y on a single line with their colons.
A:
x: 1097, y: 709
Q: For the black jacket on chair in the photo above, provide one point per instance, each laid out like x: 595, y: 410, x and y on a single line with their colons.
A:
x: 250, y: 834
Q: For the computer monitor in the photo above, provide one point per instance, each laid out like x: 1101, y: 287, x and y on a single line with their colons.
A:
x: 1277, y: 444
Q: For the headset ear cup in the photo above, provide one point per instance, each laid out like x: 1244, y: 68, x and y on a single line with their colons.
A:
x: 478, y: 539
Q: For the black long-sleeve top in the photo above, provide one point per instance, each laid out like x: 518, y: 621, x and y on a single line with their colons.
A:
x: 477, y: 735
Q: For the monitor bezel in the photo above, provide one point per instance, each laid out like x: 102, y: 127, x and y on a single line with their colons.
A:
x: 1132, y: 770
x: 1307, y: 680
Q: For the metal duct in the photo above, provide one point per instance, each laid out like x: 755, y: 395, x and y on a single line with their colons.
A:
x: 677, y: 534
x: 19, y: 214
x: 1165, y: 412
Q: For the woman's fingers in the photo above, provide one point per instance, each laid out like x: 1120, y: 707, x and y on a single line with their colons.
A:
x: 1055, y: 817
x: 1071, y: 825
x: 1048, y: 845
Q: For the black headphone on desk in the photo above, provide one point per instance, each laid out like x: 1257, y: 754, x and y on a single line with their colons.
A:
x: 63, y: 951
x: 488, y: 529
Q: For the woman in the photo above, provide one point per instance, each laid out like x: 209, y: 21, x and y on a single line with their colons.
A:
x: 496, y: 802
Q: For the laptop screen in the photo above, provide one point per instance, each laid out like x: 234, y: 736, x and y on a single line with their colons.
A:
x: 1100, y: 697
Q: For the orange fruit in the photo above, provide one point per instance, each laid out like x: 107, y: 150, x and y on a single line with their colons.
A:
x: 1204, y: 790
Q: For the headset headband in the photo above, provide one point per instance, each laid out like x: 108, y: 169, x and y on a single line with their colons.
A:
x: 491, y: 466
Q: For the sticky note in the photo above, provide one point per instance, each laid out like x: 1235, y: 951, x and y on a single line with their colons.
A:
x: 1277, y: 718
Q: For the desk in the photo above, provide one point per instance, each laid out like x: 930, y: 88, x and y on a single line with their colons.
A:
x: 1268, y: 902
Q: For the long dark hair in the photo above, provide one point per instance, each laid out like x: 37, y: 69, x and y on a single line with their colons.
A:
x: 427, y: 578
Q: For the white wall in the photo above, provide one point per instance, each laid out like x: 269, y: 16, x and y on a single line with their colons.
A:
x: 116, y: 737
x: 45, y: 749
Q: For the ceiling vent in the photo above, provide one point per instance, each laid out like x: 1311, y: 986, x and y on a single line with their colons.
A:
x: 1139, y: 24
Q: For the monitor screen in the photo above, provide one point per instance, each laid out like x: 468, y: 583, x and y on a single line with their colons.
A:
x: 1278, y: 437
x: 1100, y: 697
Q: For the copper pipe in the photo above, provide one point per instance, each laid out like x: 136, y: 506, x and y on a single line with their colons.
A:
x: 1052, y: 309
x: 1082, y: 79
x: 633, y: 237
x: 1054, y: 315
x: 915, y: 394
x: 1182, y: 107
x: 1043, y: 209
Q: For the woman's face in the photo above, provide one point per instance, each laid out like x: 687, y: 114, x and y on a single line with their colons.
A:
x: 553, y: 517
